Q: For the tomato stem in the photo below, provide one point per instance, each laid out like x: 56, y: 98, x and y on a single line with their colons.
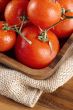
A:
x: 62, y: 19
x: 24, y: 21
x: 66, y: 10
x: 55, y: 24
x: 19, y: 32
x: 43, y: 36
x: 16, y: 29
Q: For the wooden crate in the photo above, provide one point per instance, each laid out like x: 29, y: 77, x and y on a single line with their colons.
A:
x: 40, y: 73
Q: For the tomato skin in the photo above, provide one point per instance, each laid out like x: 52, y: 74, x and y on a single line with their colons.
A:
x: 1, y: 24
x: 67, y: 4
x: 14, y: 10
x: 7, y: 40
x: 38, y: 54
x: 43, y: 13
x: 3, y: 4
x: 65, y: 28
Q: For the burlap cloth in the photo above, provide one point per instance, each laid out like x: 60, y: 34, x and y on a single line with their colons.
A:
x: 27, y: 91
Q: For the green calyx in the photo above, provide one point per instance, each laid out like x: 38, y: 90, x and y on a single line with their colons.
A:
x: 17, y: 30
x: 64, y: 11
x: 43, y: 36
x: 23, y: 18
x: 6, y: 27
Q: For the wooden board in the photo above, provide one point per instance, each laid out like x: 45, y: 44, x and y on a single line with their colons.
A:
x: 62, y: 99
x: 40, y: 73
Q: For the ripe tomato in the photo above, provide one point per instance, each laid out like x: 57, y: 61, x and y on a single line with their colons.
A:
x: 1, y: 24
x: 7, y: 40
x: 44, y: 13
x: 39, y: 54
x: 3, y: 4
x: 67, y: 4
x: 65, y: 28
x: 14, y: 10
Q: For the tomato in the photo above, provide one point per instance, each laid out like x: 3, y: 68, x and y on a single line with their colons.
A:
x: 1, y: 24
x: 44, y: 13
x: 7, y: 40
x: 65, y: 28
x: 39, y: 54
x: 14, y: 10
x: 67, y: 4
x: 3, y: 4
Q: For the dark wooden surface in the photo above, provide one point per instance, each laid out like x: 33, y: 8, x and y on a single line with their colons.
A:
x: 62, y: 99
x: 40, y: 73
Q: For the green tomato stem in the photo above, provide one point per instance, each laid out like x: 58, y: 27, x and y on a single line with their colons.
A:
x: 65, y: 17
x: 17, y: 29
x: 19, y: 32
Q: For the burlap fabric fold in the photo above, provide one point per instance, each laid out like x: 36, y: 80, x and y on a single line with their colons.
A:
x: 27, y: 91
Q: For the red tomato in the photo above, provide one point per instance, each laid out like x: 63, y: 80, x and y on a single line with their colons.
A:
x: 1, y: 24
x: 65, y: 28
x: 44, y: 13
x: 14, y: 10
x: 3, y: 4
x: 7, y: 40
x: 67, y: 4
x: 39, y: 54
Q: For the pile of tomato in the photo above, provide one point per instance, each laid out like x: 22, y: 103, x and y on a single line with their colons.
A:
x: 33, y: 29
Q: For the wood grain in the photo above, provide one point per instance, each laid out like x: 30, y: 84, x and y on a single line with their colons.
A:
x: 40, y: 73
x: 62, y: 99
